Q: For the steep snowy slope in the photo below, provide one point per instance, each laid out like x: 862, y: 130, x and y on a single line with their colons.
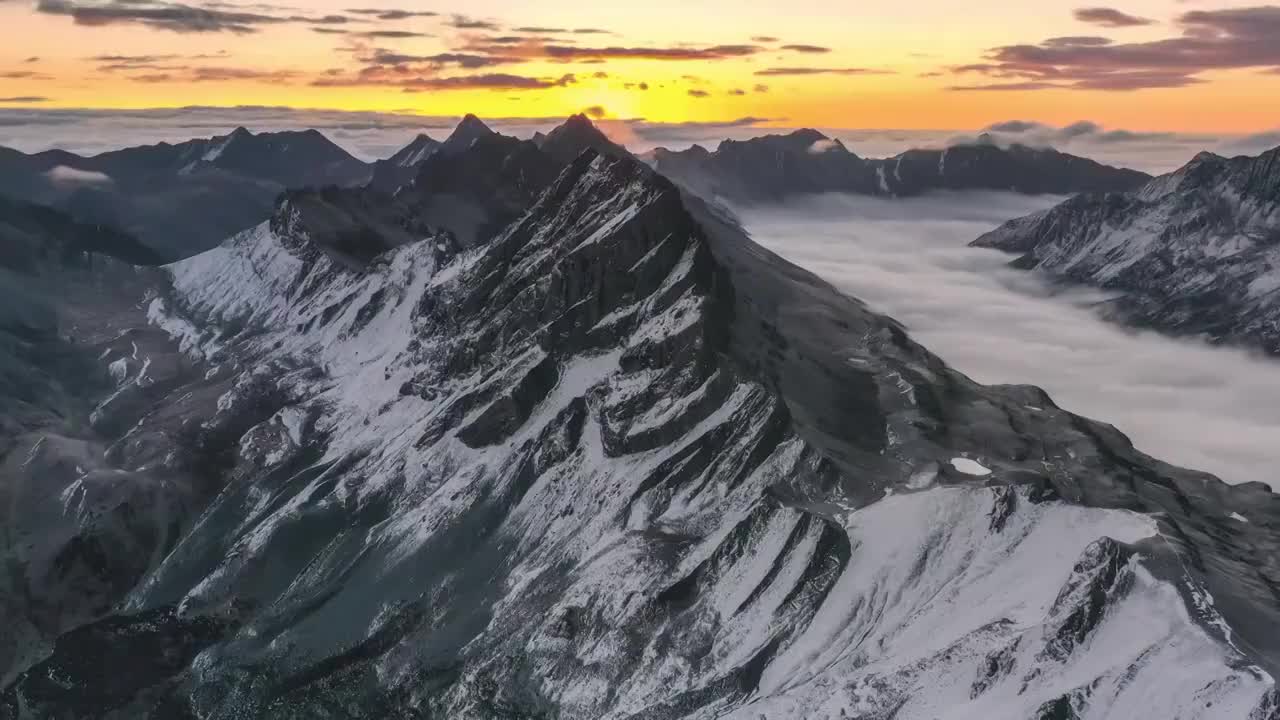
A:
x: 774, y: 167
x: 1197, y: 251
x: 620, y: 462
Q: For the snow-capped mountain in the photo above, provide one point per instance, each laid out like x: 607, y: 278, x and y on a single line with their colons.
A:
x: 613, y: 461
x: 185, y: 198
x: 391, y: 174
x: 1197, y: 252
x: 774, y: 167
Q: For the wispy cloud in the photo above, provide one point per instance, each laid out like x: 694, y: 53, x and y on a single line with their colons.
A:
x: 23, y: 75
x: 812, y: 49
x: 783, y: 71
x: 469, y: 61
x: 1210, y: 40
x: 218, y: 74
x: 175, y: 17
x: 463, y: 22
x: 420, y: 83
x: 391, y: 15
x: 1110, y: 17
x: 712, y: 52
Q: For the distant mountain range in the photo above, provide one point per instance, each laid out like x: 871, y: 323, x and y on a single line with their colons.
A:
x: 180, y: 199
x: 1197, y: 251
x: 776, y: 167
x: 184, y: 198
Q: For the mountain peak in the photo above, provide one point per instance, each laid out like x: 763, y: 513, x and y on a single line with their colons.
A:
x: 575, y: 135
x: 808, y: 135
x: 471, y: 123
x: 578, y: 124
x: 470, y: 129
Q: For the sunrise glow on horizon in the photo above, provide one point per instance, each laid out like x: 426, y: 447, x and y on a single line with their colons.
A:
x: 1149, y: 65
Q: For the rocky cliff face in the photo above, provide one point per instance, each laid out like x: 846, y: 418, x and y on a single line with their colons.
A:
x: 1197, y: 252
x: 617, y: 461
x: 775, y: 167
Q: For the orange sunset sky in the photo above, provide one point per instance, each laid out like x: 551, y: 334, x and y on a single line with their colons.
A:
x: 1147, y: 64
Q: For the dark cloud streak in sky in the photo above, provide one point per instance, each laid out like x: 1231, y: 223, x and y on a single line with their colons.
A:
x: 1110, y: 17
x: 811, y: 49
x: 802, y: 71
x: 1211, y: 40
x: 176, y: 17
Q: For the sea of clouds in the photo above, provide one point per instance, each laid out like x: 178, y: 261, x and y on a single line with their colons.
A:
x: 1182, y: 401
x: 370, y: 135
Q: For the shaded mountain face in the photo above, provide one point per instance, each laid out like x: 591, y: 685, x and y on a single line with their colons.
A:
x: 1196, y: 252
x: 476, y: 191
x: 616, y: 461
x: 774, y: 167
x: 71, y: 336
x: 45, y: 259
x: 181, y: 199
x: 391, y: 174
x: 36, y: 239
x: 479, y: 181
x: 567, y: 141
x: 469, y: 130
x: 467, y: 189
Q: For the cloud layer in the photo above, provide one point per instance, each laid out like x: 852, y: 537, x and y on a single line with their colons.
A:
x: 1181, y: 401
